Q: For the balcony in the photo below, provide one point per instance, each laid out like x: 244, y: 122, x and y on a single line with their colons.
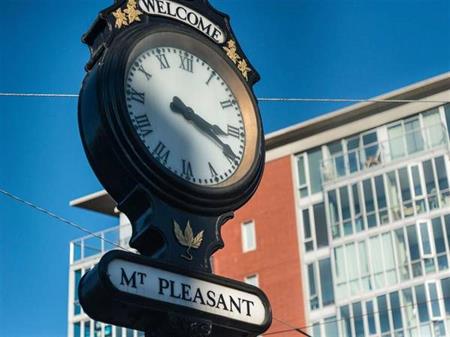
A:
x: 379, y: 154
x: 94, y: 246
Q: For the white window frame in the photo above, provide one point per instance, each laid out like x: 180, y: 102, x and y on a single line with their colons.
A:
x: 246, y: 248
x: 253, y: 276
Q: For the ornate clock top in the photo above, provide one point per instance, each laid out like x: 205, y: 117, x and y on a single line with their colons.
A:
x: 197, y: 14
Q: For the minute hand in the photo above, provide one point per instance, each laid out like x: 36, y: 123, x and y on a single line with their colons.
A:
x: 178, y: 106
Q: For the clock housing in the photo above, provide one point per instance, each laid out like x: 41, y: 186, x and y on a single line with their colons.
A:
x: 119, y: 156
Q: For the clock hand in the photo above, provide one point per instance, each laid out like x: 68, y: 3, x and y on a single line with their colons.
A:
x: 212, y: 131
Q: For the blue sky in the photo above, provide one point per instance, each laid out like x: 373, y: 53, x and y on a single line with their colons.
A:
x: 352, y: 49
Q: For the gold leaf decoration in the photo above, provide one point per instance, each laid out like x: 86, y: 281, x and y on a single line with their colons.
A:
x: 231, y: 50
x: 243, y: 67
x: 198, y: 240
x: 187, y: 239
x: 179, y: 234
x: 127, y: 16
x: 121, y: 19
x: 132, y: 12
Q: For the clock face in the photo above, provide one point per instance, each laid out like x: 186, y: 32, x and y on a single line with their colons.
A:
x: 186, y: 115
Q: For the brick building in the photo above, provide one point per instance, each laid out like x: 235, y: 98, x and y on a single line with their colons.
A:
x: 349, y: 232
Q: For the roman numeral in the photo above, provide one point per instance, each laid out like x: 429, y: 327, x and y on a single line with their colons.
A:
x: 161, y: 152
x: 187, y: 63
x: 227, y: 104
x: 212, y: 170
x: 233, y: 131
x: 142, y: 70
x: 187, y: 169
x: 144, y: 125
x: 210, y: 78
x: 137, y: 96
x: 163, y: 61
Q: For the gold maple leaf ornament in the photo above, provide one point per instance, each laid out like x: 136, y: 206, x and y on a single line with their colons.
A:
x: 187, y: 239
x: 121, y: 19
x: 132, y: 12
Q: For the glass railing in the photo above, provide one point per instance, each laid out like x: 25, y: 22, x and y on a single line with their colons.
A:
x: 99, y: 243
x: 372, y: 155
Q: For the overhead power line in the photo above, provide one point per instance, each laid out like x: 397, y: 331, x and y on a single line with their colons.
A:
x: 261, y: 99
x: 291, y: 327
x: 59, y: 218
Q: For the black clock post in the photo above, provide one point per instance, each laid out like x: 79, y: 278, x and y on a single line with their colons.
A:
x: 171, y: 128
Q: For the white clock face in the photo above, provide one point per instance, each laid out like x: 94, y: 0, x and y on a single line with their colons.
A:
x: 186, y: 115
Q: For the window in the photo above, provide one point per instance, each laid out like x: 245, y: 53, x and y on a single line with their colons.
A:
x: 301, y: 174
x: 309, y: 244
x: 394, y: 195
x: 434, y: 132
x: 345, y: 210
x: 314, y: 162
x: 119, y: 332
x: 252, y: 280
x: 414, y: 251
x: 439, y: 244
x: 331, y: 328
x: 371, y: 318
x: 359, y: 222
x: 358, y: 320
x: 248, y: 236
x: 422, y: 304
x: 334, y: 215
x: 76, y: 304
x: 369, y: 203
x: 76, y: 330
x: 405, y: 189
x: 87, y: 329
x: 321, y: 228
x: 394, y: 298
x: 313, y: 295
x: 326, y: 282
x: 430, y: 184
x: 383, y: 313
x: 383, y: 214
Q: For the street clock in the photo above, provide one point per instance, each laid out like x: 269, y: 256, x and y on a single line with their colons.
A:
x: 171, y: 126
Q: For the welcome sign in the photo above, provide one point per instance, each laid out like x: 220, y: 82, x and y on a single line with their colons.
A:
x: 171, y: 9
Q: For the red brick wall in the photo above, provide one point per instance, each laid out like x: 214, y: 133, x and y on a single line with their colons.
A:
x: 276, y: 258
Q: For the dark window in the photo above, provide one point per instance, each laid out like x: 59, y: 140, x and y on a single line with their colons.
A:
x: 422, y: 304
x: 404, y: 184
x: 326, y: 282
x: 358, y: 320
x: 441, y: 173
x: 396, y: 311
x: 320, y: 223
x: 383, y: 313
x: 446, y: 294
x: 439, y: 241
x: 429, y: 177
x: 371, y: 318
x: 381, y: 193
x: 306, y: 224
x: 414, y: 251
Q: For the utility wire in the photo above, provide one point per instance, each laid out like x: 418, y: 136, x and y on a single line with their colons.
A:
x: 59, y: 218
x: 357, y: 316
x: 292, y: 328
x: 261, y: 99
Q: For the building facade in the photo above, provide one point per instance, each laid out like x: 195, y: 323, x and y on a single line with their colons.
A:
x: 349, y: 232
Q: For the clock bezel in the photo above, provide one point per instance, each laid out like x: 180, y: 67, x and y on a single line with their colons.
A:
x: 147, y: 172
x: 185, y: 43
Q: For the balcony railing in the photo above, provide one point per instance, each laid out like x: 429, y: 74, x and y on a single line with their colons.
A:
x: 100, y: 243
x: 408, y: 144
